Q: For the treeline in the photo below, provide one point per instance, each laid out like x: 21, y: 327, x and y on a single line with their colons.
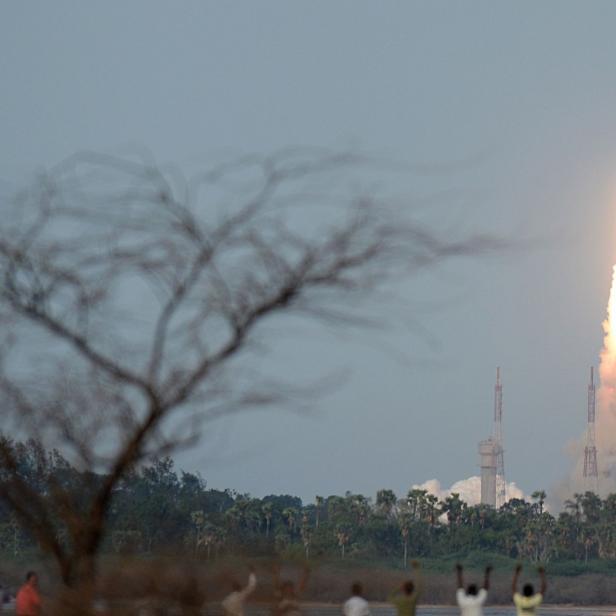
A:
x: 156, y: 509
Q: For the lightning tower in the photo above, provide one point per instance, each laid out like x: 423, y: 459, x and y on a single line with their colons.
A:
x: 499, y: 451
x: 591, y: 475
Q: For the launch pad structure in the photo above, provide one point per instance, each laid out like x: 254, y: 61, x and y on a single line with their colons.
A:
x: 492, y: 456
x: 591, y: 475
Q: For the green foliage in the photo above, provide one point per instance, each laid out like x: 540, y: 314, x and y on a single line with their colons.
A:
x: 156, y: 510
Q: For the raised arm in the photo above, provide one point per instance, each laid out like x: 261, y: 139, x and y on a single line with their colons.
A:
x: 252, y: 584
x: 544, y: 583
x: 459, y: 576
x: 516, y: 575
x: 486, y: 577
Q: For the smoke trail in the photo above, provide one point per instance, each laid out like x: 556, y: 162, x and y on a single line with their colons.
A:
x: 606, y: 396
x: 605, y: 418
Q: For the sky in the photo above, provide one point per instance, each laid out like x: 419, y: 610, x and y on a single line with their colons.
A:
x: 511, y: 102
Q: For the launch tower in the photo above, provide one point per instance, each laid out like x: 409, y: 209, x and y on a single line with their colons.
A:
x: 499, y: 451
x: 487, y: 463
x: 492, y: 458
x: 591, y: 475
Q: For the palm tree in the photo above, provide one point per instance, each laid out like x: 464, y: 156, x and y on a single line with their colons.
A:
x: 290, y: 514
x: 267, y: 510
x: 606, y: 535
x: 575, y: 509
x: 360, y: 508
x: 343, y: 538
x: 386, y: 501
x: 209, y: 537
x: 416, y: 500
x: 253, y: 519
x: 318, y: 503
x: 575, y: 506
x: 539, y: 496
x: 538, y: 544
x: 432, y: 508
x: 405, y: 520
x: 216, y: 536
x: 566, y: 533
x: 591, y: 507
x: 454, y: 507
x: 306, y: 535
x: 233, y: 518
x: 198, y: 520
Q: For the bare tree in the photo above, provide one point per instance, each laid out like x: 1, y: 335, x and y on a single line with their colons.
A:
x: 131, y: 303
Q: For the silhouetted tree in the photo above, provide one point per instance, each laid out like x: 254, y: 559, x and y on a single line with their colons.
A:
x: 146, y: 290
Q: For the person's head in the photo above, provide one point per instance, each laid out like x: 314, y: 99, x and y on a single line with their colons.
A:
x: 31, y: 578
x: 408, y: 587
x: 472, y: 590
x: 357, y: 589
x: 528, y: 590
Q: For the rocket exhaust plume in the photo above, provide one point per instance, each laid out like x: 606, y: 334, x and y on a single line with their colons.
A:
x: 606, y: 396
x: 604, y: 418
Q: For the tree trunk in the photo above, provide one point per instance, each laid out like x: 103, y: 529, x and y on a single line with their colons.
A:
x: 197, y: 542
x: 73, y: 601
x: 76, y: 596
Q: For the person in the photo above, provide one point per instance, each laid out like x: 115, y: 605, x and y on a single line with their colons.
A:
x: 190, y: 595
x: 28, y: 601
x: 287, y: 599
x: 472, y: 600
x: 405, y: 601
x: 527, y: 603
x: 233, y: 604
x: 356, y: 605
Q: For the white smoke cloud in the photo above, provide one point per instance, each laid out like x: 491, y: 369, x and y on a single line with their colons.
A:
x: 468, y: 489
x: 605, y: 419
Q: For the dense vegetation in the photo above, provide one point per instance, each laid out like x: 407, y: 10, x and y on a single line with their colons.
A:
x: 155, y: 509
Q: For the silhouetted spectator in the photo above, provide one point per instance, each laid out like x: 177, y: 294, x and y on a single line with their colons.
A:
x: 28, y: 601
x: 472, y: 600
x: 233, y: 604
x: 287, y: 598
x: 405, y: 602
x: 356, y: 605
x: 527, y: 603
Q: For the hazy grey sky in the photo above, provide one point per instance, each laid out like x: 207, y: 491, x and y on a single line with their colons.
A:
x: 524, y: 93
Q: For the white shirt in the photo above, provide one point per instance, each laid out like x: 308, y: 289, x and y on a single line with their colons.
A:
x: 356, y: 606
x: 234, y: 603
x: 471, y: 605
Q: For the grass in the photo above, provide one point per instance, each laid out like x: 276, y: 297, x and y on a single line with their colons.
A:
x: 569, y: 582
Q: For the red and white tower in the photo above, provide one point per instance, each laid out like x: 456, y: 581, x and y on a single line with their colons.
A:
x: 591, y: 475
